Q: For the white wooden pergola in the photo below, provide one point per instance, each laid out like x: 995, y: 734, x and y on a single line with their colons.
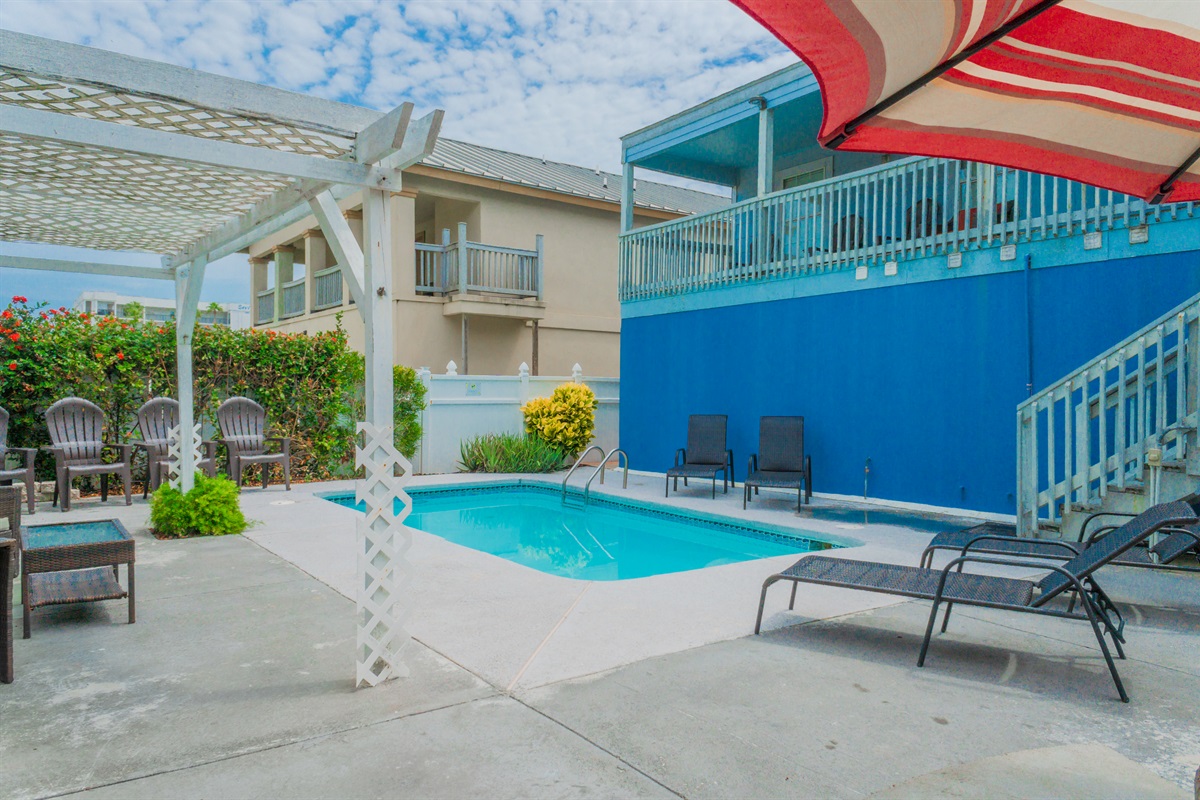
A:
x: 108, y: 152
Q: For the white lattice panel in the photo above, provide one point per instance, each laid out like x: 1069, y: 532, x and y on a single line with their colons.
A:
x: 88, y: 197
x: 103, y: 103
x: 383, y: 570
x: 175, y: 454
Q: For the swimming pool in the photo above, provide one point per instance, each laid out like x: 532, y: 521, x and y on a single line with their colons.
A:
x: 609, y: 540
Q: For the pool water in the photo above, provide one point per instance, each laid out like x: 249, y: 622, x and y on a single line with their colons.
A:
x: 607, y: 541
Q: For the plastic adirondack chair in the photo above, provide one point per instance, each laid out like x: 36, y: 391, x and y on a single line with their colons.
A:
x: 76, y: 432
x: 156, y: 419
x: 243, y: 430
x: 23, y: 473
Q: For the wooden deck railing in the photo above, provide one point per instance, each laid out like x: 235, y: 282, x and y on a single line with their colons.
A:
x: 491, y: 269
x: 1094, y: 427
x: 897, y: 211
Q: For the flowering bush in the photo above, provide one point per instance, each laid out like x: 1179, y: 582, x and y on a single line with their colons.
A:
x: 566, y: 420
x: 309, y: 385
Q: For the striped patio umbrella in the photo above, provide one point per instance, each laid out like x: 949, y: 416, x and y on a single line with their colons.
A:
x: 1106, y: 92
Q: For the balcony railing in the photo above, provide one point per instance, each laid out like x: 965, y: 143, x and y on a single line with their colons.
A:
x: 264, y: 307
x: 293, y: 298
x: 902, y: 210
x: 490, y: 269
x: 327, y: 288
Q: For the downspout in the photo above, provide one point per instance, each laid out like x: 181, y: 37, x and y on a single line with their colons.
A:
x: 1029, y: 324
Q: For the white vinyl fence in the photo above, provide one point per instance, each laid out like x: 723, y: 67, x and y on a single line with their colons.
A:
x: 461, y: 407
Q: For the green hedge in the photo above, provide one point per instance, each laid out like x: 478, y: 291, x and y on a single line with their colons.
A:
x: 310, y: 385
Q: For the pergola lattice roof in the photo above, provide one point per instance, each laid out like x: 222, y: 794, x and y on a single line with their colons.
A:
x: 110, y: 152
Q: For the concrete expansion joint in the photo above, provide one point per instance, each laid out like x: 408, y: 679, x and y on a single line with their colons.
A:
x: 537, y: 650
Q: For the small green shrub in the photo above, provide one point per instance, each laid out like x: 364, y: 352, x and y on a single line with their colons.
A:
x: 566, y: 420
x: 509, y: 452
x: 169, y: 515
x: 211, y: 508
x: 410, y: 402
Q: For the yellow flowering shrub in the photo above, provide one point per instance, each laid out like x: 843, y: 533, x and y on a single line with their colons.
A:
x: 566, y: 420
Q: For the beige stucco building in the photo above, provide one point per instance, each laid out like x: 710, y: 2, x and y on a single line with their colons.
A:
x: 540, y: 239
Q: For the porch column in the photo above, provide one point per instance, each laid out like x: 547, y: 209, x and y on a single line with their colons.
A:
x: 626, y: 197
x: 403, y: 209
x: 285, y: 260
x: 258, y: 280
x: 316, y: 258
x: 188, y: 280
x: 354, y: 218
x: 766, y: 146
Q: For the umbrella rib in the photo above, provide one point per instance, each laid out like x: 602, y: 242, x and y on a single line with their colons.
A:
x: 1169, y: 184
x: 1010, y: 26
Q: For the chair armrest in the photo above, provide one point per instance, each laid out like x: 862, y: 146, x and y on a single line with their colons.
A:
x: 285, y: 443
x: 126, y: 451
x: 680, y: 457
x: 1083, y: 528
x: 30, y: 454
x: 210, y: 449
x: 1071, y: 550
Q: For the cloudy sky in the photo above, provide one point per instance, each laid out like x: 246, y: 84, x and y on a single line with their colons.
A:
x: 549, y: 78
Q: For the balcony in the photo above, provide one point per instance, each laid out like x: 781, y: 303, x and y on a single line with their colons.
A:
x: 498, y: 281
x: 884, y: 215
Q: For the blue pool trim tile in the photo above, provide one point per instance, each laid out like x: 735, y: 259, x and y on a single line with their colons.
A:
x: 759, y: 531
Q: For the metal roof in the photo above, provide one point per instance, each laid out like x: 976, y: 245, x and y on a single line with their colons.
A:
x: 555, y: 176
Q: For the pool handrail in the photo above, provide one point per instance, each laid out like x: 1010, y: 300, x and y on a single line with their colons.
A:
x: 576, y: 466
x: 600, y: 471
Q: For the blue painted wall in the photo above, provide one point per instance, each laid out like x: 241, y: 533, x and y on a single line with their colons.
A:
x: 924, y: 379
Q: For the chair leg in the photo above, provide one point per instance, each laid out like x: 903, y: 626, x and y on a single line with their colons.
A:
x: 30, y: 497
x: 132, y: 612
x: 1112, y: 667
x: 127, y: 481
x: 928, y: 634
x: 287, y: 474
x: 714, y: 488
x: 64, y: 500
x: 266, y: 475
x: 792, y: 602
x: 762, y: 602
x: 946, y: 616
x: 25, y: 609
x: 667, y: 488
x: 103, y: 488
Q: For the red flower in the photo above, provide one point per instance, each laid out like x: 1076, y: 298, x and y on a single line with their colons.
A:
x: 124, y: 327
x: 160, y: 330
x: 16, y: 337
x: 18, y: 299
x: 54, y: 311
x: 12, y: 365
x: 120, y: 356
x: 6, y: 314
x: 44, y: 315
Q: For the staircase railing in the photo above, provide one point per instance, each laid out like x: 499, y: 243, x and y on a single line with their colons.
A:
x: 1090, y: 432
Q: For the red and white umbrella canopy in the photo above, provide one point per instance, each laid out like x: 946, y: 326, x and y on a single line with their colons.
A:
x: 1106, y: 92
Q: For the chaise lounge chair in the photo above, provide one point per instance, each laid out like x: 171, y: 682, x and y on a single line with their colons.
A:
x: 951, y: 585
x: 783, y: 464
x: 999, y: 538
x: 77, y: 442
x: 705, y: 455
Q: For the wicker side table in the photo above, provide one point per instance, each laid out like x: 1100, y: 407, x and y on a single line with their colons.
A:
x: 74, y: 563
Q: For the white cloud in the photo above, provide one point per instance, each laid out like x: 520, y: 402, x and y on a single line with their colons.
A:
x: 548, y: 77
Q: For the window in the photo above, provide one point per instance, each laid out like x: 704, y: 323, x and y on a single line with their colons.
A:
x: 805, y: 174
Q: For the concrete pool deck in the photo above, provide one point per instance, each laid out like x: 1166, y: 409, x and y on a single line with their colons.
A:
x: 235, y: 681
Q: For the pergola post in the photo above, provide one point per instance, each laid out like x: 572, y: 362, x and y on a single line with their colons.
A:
x: 188, y: 280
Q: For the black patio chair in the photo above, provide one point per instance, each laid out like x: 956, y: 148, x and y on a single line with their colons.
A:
x: 780, y: 462
x: 951, y: 585
x: 24, y: 473
x: 705, y: 454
